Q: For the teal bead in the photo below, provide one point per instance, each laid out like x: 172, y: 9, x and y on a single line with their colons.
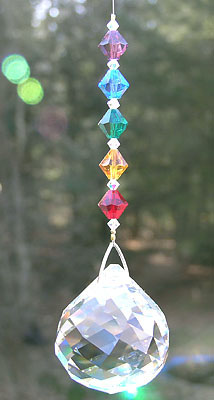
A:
x: 113, y: 124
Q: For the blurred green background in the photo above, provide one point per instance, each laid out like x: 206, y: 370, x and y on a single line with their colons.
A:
x: 53, y: 235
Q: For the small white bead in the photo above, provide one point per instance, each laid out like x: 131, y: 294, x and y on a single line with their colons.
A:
x: 113, y: 143
x: 113, y: 184
x: 113, y: 24
x: 113, y: 104
x: 113, y: 224
x: 113, y: 64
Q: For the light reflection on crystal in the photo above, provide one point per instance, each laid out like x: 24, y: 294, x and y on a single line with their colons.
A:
x: 113, y: 336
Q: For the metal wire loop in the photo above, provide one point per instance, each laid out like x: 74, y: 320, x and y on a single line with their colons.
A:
x: 120, y: 254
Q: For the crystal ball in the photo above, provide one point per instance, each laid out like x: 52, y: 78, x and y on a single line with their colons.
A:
x: 113, y: 336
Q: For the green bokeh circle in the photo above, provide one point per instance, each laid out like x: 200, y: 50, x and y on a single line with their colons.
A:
x: 15, y: 68
x: 31, y: 91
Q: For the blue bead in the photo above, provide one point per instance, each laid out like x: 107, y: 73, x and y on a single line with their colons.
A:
x: 113, y: 84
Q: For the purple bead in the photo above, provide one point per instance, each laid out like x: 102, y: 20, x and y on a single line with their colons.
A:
x: 113, y: 45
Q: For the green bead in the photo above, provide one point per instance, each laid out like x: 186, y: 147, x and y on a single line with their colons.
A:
x: 113, y: 124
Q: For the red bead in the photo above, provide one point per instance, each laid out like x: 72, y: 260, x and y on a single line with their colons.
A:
x: 113, y: 204
x: 113, y: 45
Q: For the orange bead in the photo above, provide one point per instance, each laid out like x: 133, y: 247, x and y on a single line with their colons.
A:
x: 113, y: 164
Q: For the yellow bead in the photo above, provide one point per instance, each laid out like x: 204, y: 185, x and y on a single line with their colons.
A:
x: 113, y: 164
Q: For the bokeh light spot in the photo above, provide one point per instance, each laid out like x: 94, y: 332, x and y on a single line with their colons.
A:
x: 54, y: 12
x: 80, y: 9
x: 31, y: 91
x: 130, y: 393
x: 15, y: 68
x: 134, y: 393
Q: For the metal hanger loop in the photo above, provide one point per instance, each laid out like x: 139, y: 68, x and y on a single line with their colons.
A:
x: 120, y: 254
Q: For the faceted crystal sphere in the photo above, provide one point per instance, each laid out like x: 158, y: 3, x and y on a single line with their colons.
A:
x: 113, y: 45
x: 112, y: 336
x: 113, y: 84
x: 113, y: 124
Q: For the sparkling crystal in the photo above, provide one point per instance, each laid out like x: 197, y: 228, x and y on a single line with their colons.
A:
x: 113, y: 24
x: 113, y: 64
x: 113, y: 204
x: 113, y: 224
x: 113, y: 124
x: 113, y: 143
x: 113, y: 104
x: 113, y: 336
x: 113, y: 165
x: 113, y: 184
x: 113, y: 84
x: 113, y: 45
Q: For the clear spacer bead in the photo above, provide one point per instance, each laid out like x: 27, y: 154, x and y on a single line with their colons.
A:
x: 113, y: 104
x: 113, y: 184
x: 113, y: 143
x: 113, y: 24
x: 113, y: 224
x: 113, y: 64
